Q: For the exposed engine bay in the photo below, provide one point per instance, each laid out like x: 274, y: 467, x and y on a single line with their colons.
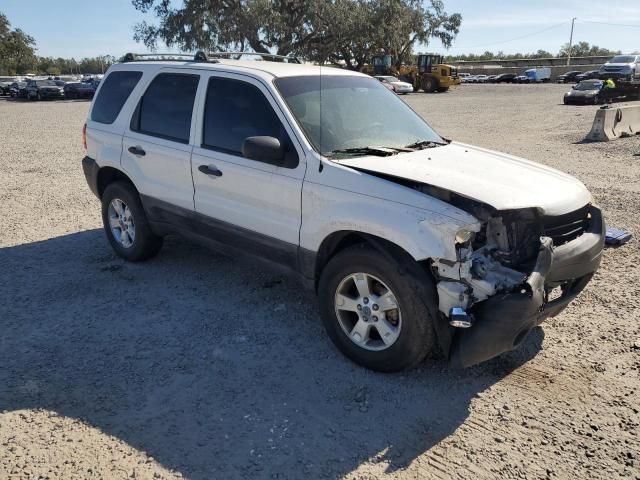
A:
x: 498, y: 258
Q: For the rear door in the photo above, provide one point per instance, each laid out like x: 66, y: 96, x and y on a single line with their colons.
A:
x: 157, y: 142
x: 250, y: 203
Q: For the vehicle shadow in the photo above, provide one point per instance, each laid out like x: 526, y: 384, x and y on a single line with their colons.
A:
x: 216, y: 367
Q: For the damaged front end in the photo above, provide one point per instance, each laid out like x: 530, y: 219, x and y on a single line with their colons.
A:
x: 520, y: 268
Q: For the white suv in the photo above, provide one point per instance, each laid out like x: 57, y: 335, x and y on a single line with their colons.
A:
x: 416, y: 245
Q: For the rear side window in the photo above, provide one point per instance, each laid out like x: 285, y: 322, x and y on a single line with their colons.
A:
x: 165, y: 108
x: 235, y: 110
x: 114, y: 92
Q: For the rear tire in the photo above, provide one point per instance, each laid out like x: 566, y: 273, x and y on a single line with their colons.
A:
x: 126, y: 225
x: 390, y: 283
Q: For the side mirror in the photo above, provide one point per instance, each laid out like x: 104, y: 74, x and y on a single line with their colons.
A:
x: 263, y: 149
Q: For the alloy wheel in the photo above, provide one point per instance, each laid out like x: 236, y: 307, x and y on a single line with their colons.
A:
x: 121, y: 223
x: 368, y: 311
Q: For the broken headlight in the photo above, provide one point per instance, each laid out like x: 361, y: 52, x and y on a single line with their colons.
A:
x: 464, y: 237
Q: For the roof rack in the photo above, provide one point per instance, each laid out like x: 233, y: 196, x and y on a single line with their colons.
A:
x: 201, y: 56
x: 287, y: 58
x: 177, y: 57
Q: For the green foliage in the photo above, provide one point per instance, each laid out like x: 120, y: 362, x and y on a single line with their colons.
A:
x: 347, y: 31
x: 581, y: 49
x: 17, y: 49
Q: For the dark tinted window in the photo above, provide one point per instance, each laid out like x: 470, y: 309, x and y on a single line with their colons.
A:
x: 115, y: 91
x: 235, y: 110
x: 165, y: 108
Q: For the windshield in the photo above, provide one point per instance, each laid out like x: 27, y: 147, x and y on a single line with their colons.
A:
x: 623, y: 59
x: 46, y: 83
x: 351, y: 112
x: 588, y: 86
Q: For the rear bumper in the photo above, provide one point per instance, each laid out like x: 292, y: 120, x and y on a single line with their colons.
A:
x: 91, y: 168
x: 502, y: 322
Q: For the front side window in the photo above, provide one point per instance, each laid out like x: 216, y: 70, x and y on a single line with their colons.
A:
x: 166, y: 107
x: 114, y: 93
x: 235, y: 110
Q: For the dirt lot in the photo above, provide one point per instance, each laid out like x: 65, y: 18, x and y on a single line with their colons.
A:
x: 197, y: 365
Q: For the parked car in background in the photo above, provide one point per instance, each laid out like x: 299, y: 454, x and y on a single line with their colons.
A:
x: 521, y: 79
x: 18, y: 90
x: 568, y: 77
x: 622, y: 66
x: 538, y: 75
x: 80, y: 89
x: 585, y: 92
x: 505, y: 78
x: 5, y: 84
x: 396, y: 84
x: 491, y: 78
x: 43, y: 89
x: 464, y: 77
x: 591, y: 74
x: 481, y: 79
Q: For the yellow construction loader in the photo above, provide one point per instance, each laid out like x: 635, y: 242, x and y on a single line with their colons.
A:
x: 431, y: 74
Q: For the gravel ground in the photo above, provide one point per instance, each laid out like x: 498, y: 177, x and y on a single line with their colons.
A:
x: 200, y: 366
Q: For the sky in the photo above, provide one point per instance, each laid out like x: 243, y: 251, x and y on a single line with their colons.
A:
x: 87, y: 28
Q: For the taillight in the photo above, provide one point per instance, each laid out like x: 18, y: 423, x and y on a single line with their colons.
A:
x: 84, y: 136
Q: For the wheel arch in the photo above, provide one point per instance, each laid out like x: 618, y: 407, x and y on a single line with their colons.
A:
x: 343, y: 239
x: 108, y: 175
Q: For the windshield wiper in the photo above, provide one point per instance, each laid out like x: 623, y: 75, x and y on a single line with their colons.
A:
x: 379, y: 151
x: 420, y: 144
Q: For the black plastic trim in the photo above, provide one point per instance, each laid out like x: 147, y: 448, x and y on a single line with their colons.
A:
x: 91, y: 169
x: 166, y: 218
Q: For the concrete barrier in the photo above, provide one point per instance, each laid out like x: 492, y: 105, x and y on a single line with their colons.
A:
x: 616, y: 122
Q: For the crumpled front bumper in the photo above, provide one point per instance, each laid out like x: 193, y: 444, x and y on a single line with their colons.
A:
x: 503, y: 321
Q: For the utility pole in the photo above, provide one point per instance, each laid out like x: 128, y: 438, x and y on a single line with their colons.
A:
x: 570, y: 41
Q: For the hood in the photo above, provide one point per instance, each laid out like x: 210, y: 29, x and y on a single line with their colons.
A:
x: 502, y: 181
x: 583, y: 93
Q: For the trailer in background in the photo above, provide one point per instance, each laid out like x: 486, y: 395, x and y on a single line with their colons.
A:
x: 538, y: 75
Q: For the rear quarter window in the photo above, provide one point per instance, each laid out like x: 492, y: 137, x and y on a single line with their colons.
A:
x: 115, y: 90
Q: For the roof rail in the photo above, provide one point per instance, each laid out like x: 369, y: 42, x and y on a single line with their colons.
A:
x: 177, y: 57
x: 201, y: 56
x: 266, y: 56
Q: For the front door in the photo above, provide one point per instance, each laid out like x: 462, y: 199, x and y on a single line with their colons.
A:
x: 251, y: 204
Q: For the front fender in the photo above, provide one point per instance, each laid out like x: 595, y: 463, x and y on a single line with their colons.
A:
x: 420, y: 232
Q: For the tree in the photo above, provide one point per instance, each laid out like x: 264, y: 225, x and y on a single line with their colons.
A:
x: 17, y: 49
x: 584, y: 49
x: 338, y: 30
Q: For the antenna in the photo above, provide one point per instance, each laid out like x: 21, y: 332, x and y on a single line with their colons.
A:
x: 321, y: 166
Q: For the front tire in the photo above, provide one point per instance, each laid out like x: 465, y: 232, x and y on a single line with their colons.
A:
x: 126, y: 225
x: 378, y: 311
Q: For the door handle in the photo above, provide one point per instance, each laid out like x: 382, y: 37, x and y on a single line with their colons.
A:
x: 210, y: 170
x: 137, y: 151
